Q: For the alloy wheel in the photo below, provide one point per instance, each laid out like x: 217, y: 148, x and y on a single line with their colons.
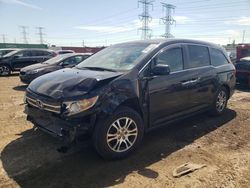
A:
x: 122, y: 134
x: 4, y: 70
x: 221, y: 101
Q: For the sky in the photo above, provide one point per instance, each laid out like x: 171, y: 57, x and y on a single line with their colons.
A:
x: 107, y: 22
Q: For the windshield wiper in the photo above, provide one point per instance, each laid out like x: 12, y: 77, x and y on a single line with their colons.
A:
x: 97, y: 68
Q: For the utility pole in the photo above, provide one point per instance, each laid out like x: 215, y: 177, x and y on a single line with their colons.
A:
x: 24, y: 33
x: 243, y: 36
x: 4, y: 38
x: 41, y: 34
x: 145, y: 18
x: 168, y: 19
x: 83, y: 43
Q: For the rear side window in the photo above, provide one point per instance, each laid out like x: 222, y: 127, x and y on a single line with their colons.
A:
x: 37, y: 53
x: 171, y: 57
x: 217, y: 57
x: 198, y: 56
x: 40, y: 53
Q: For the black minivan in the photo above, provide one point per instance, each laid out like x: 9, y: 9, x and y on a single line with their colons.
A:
x: 20, y: 58
x: 125, y: 90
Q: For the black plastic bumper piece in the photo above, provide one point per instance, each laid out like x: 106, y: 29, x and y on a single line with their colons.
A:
x: 49, y: 123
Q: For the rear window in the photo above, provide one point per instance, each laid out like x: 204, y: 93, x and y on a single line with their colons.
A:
x: 217, y: 57
x: 198, y: 56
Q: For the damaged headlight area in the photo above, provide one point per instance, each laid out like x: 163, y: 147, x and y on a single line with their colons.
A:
x: 75, y: 107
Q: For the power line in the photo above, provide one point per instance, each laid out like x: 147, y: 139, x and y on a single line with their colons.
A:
x: 168, y: 20
x: 3, y: 38
x: 24, y: 33
x: 41, y: 34
x: 145, y: 18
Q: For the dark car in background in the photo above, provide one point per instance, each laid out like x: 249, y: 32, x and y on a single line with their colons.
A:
x: 29, y: 73
x: 20, y: 58
x: 5, y: 51
x: 125, y: 90
x: 243, y: 71
x: 64, y: 52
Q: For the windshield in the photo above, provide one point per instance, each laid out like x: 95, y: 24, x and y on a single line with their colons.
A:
x: 118, y: 57
x: 56, y: 59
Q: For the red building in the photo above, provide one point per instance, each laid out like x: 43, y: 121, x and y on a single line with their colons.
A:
x: 243, y: 50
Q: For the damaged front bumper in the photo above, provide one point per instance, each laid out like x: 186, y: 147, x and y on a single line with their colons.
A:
x: 57, y: 126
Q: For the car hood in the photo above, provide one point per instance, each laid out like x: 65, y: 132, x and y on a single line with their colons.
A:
x: 68, y: 83
x: 35, y: 66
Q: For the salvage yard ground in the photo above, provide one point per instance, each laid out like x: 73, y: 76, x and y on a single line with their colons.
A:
x: 29, y: 157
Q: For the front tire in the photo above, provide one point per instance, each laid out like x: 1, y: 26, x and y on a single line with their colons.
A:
x: 220, y: 102
x: 5, y: 70
x: 119, y: 135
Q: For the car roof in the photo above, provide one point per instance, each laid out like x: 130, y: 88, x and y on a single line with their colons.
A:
x: 37, y: 49
x: 174, y: 40
x: 73, y: 54
x: 8, y: 49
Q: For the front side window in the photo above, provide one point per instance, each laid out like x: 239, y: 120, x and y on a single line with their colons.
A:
x: 78, y: 59
x: 171, y: 57
x: 23, y: 54
x: 72, y: 60
x: 198, y: 56
x: 217, y: 57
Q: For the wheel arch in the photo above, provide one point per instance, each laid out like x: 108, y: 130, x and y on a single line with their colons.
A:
x: 227, y: 89
x: 6, y: 64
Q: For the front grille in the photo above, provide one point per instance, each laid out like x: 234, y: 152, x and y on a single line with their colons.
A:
x: 43, y: 105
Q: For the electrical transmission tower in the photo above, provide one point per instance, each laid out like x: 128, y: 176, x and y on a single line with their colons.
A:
x: 4, y: 38
x: 168, y: 20
x: 24, y: 33
x: 41, y: 34
x: 145, y: 18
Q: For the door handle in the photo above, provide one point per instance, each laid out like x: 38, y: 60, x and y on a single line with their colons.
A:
x: 190, y: 82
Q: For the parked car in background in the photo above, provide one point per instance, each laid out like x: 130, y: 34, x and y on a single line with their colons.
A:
x: 121, y: 92
x: 64, y: 52
x: 29, y: 73
x: 20, y: 58
x: 243, y: 71
x: 243, y: 50
x: 5, y: 51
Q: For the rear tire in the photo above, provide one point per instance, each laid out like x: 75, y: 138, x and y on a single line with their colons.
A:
x: 5, y: 70
x: 119, y: 135
x: 220, y: 102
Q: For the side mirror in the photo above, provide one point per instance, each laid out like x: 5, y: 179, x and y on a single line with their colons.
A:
x: 161, y: 69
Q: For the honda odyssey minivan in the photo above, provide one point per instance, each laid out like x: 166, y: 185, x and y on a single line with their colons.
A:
x: 125, y: 90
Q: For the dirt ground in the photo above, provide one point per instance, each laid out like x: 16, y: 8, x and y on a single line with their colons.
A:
x: 29, y: 157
